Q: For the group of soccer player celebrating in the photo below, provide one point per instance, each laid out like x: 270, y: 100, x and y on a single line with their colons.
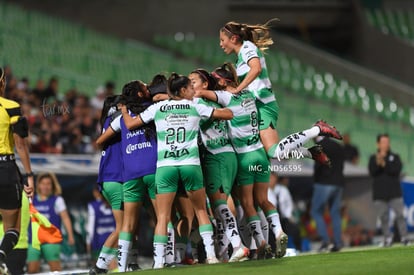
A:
x: 187, y: 143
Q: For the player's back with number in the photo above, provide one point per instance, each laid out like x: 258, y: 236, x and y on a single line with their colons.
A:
x: 244, y: 127
x: 177, y: 123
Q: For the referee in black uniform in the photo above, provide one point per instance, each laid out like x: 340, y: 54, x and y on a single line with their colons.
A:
x: 13, y: 133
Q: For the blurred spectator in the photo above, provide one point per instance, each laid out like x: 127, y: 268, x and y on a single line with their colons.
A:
x: 99, y: 98
x: 385, y: 168
x: 279, y: 195
x: 23, y: 85
x: 353, y: 233
x: 38, y: 91
x: 69, y: 125
x: 50, y: 92
x: 100, y: 225
x: 8, y: 75
x: 350, y: 150
x: 327, y: 191
x: 109, y: 88
x: 49, y: 202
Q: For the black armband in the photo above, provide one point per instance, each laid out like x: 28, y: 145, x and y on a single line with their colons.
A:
x: 21, y: 127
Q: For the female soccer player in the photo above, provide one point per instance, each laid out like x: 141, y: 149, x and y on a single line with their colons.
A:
x: 139, y: 154
x: 110, y: 180
x: 49, y: 202
x: 177, y: 123
x: 219, y: 169
x: 249, y: 42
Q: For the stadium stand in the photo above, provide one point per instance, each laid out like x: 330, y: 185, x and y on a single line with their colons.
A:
x: 79, y: 57
x: 395, y: 22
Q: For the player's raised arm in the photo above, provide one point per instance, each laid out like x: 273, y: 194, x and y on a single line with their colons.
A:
x: 131, y: 122
x: 206, y: 94
x: 222, y: 113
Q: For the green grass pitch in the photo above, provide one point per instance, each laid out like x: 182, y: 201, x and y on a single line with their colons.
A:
x: 391, y: 261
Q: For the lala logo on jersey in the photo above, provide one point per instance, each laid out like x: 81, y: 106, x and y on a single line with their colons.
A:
x: 176, y: 154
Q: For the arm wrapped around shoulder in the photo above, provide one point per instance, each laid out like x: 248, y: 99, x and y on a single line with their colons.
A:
x: 21, y: 127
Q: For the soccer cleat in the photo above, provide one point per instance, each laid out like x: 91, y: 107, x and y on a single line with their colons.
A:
x: 133, y: 267
x: 189, y: 261
x: 158, y: 265
x: 264, y: 252
x: 405, y: 242
x: 319, y: 156
x: 335, y: 248
x: 240, y: 255
x: 224, y: 258
x: 325, y: 247
x: 212, y: 260
x: 96, y: 270
x: 327, y: 130
x: 387, y: 242
x: 281, y: 245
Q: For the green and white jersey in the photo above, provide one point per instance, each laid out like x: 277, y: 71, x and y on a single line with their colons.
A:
x: 244, y: 127
x: 177, y: 123
x: 214, y: 132
x: 261, y: 86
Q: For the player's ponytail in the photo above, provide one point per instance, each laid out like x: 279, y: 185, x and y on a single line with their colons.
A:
x: 137, y: 103
x: 175, y: 83
x: 228, y: 73
x: 258, y: 34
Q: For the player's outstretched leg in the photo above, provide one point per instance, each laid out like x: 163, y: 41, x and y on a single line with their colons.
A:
x: 292, y: 145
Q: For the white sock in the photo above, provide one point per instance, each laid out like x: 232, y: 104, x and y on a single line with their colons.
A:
x: 256, y: 230
x: 223, y: 212
x: 206, y: 233
x: 124, y: 245
x: 106, y: 256
x: 170, y: 252
x: 239, y: 212
x: 264, y: 224
x: 222, y: 241
x: 284, y: 149
x: 274, y: 222
x: 160, y: 243
x: 180, y: 249
x: 244, y: 232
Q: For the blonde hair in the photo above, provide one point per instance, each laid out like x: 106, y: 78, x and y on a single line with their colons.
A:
x: 258, y: 34
x: 56, y: 188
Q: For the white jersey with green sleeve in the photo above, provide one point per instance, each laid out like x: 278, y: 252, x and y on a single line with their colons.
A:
x: 261, y: 86
x: 214, y: 132
x: 177, y: 124
x: 244, y: 127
